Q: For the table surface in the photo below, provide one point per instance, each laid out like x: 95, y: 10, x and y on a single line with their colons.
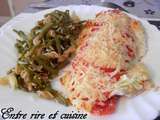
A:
x: 148, y: 9
x: 141, y: 8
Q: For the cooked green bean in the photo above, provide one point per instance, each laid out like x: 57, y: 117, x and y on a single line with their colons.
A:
x: 21, y: 34
x: 45, y: 51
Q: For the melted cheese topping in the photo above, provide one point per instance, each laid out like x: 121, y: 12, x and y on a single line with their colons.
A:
x: 110, y: 47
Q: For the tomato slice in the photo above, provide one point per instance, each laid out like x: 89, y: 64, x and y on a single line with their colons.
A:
x: 107, y: 70
x: 106, y: 107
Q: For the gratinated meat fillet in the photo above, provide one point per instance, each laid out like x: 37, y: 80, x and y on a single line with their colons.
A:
x: 107, y: 63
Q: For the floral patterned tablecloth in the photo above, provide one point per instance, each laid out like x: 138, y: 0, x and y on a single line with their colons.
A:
x: 148, y: 9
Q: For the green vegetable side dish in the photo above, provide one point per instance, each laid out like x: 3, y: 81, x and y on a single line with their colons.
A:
x: 44, y: 52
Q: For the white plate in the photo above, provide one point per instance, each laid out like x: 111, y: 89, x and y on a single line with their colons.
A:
x: 142, y: 107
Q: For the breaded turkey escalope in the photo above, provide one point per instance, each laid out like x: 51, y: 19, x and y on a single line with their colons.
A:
x: 107, y: 63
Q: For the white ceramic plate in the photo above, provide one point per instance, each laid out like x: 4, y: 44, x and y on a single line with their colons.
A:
x: 143, y: 107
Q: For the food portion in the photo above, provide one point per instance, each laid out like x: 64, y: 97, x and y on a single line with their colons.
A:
x: 43, y: 53
x: 107, y: 63
x: 104, y: 53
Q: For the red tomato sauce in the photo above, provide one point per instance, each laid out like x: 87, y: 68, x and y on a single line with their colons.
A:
x: 106, y: 107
